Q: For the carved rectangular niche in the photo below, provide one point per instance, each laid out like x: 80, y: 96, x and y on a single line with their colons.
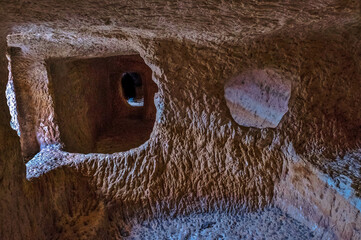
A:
x: 90, y: 107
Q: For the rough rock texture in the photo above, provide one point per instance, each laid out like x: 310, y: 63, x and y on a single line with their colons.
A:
x: 310, y: 197
x: 270, y: 223
x: 197, y: 158
x: 11, y: 100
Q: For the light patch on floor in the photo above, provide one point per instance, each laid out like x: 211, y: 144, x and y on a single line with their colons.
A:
x: 271, y: 223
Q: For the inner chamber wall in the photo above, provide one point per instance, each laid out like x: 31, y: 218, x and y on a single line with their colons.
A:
x: 92, y: 114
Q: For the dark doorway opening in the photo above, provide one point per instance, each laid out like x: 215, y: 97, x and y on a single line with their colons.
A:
x: 133, y: 88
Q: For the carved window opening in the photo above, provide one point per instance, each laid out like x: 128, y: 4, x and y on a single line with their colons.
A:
x: 103, y: 105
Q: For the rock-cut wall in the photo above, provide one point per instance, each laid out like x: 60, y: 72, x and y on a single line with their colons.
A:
x: 199, y: 157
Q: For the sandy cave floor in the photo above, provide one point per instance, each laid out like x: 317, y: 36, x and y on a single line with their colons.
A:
x: 270, y: 223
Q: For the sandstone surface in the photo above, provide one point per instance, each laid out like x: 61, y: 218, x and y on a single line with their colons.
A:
x: 55, y: 183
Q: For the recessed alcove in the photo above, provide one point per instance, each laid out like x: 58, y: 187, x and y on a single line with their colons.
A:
x: 132, y: 87
x: 92, y: 106
x: 258, y: 98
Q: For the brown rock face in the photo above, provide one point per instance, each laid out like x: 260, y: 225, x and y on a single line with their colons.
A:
x: 251, y: 112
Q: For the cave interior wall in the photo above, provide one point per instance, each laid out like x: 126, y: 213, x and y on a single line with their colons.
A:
x: 197, y: 157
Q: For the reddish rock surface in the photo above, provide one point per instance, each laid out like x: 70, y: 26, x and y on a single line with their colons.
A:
x: 90, y: 107
x: 197, y: 158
